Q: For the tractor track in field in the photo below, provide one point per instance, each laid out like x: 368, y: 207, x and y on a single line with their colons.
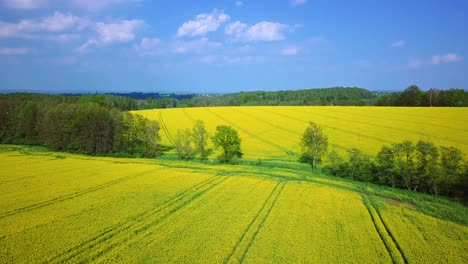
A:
x: 392, y: 246
x: 136, y: 225
x: 382, y: 126
x: 331, y: 127
x: 254, y: 227
x: 387, y: 229
x: 193, y: 120
x: 164, y: 127
x: 268, y: 123
x: 285, y: 129
x: 188, y: 115
x: 268, y: 142
x: 72, y: 195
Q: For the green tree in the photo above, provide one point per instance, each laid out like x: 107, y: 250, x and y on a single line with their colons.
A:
x: 460, y: 189
x: 453, y: 97
x: 334, y: 158
x: 26, y: 120
x: 404, y: 160
x: 386, y: 164
x: 451, y: 162
x: 183, y: 144
x: 334, y: 163
x: 360, y: 166
x: 137, y: 135
x: 427, y: 167
x: 228, y: 139
x: 94, y: 128
x: 57, y: 130
x: 412, y: 96
x: 314, y: 143
x: 200, y: 139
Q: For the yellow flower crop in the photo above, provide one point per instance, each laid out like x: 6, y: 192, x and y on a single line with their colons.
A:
x: 275, y: 132
x: 64, y: 208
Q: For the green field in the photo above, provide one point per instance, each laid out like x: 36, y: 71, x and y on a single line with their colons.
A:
x: 64, y: 208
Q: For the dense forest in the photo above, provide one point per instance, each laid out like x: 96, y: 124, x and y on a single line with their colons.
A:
x: 413, y: 96
x: 326, y: 96
x: 340, y: 96
x: 83, y: 124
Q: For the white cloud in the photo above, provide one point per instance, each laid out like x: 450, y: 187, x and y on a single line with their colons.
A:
x: 64, y: 27
x: 58, y: 22
x: 262, y: 31
x: 298, y: 2
x: 122, y: 31
x: 149, y: 47
x: 203, y: 24
x: 266, y: 31
x: 88, y: 5
x: 107, y: 33
x: 415, y: 63
x: 239, y: 3
x: 289, y: 51
x: 8, y: 30
x: 398, y: 44
x: 15, y: 51
x: 449, y: 57
x: 26, y: 4
x: 236, y: 30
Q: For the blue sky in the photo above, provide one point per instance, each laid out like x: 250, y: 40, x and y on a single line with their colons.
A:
x: 228, y: 46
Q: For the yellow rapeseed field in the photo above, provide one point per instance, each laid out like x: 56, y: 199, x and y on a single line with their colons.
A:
x: 275, y: 131
x: 65, y: 208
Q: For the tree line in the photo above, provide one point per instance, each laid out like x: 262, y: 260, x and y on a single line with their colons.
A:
x: 82, y: 124
x: 420, y: 166
x: 340, y: 96
x: 98, y: 125
x: 322, y: 96
x: 413, y: 96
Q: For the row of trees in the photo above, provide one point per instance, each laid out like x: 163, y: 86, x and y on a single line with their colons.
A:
x: 194, y: 143
x: 86, y: 124
x: 413, y: 96
x: 420, y: 166
x: 94, y: 124
x: 324, y: 96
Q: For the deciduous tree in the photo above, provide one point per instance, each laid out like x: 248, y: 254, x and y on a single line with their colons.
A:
x: 200, y: 139
x: 314, y: 143
x: 183, y: 144
x: 228, y: 139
